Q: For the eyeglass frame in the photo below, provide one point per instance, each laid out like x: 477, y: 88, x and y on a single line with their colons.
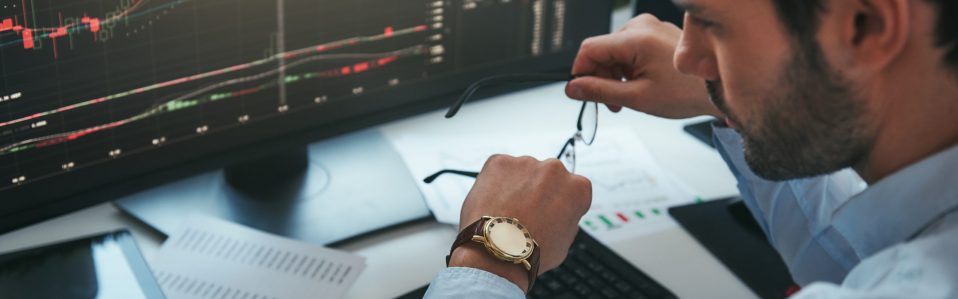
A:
x: 521, y: 78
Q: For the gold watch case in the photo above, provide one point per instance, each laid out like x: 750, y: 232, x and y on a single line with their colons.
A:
x: 507, y: 240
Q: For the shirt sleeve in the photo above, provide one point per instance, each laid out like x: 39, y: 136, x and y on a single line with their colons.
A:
x: 466, y: 283
x: 796, y: 215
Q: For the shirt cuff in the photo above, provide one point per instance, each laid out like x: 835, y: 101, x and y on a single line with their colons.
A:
x: 463, y: 282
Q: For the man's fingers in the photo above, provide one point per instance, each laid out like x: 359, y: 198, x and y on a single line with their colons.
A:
x: 602, y: 90
x: 603, y: 52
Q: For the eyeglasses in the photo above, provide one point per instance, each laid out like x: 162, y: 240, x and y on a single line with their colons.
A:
x: 586, y: 126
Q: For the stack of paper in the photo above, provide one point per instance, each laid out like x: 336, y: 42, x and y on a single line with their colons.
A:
x: 631, y: 193
x: 210, y: 258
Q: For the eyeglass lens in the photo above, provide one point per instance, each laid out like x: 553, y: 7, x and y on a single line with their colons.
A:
x: 587, y: 126
x: 567, y: 155
x: 588, y: 122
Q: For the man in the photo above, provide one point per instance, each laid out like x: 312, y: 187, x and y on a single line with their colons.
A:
x: 813, y: 97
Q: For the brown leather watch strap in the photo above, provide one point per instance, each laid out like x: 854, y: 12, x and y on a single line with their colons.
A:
x: 534, y: 262
x: 465, y: 236
x: 476, y: 229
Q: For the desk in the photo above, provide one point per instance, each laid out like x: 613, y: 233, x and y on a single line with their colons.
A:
x: 417, y: 251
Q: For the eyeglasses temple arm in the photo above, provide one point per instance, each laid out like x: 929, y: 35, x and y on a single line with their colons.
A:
x: 508, y: 78
x: 433, y: 177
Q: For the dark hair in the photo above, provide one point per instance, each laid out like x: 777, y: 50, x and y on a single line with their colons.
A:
x: 801, y: 18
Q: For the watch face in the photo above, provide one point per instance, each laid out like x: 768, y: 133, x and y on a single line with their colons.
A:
x: 510, y: 237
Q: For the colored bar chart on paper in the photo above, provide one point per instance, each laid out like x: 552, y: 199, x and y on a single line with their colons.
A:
x: 631, y: 192
x: 614, y: 225
x: 616, y: 220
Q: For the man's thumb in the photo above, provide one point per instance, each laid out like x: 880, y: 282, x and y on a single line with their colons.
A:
x: 602, y: 90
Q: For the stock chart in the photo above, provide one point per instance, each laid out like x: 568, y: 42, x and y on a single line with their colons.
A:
x: 91, y: 81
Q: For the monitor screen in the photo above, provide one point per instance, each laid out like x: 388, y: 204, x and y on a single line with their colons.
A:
x: 94, y: 92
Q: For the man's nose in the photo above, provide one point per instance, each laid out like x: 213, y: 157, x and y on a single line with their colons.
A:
x: 694, y: 54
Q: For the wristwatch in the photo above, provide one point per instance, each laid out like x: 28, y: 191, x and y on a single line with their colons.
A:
x: 505, y: 239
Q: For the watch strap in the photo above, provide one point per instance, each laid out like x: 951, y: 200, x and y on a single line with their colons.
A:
x: 465, y: 235
x: 534, y: 262
x: 475, y: 229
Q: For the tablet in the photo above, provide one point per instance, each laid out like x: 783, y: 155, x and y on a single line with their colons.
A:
x: 701, y: 131
x: 104, y: 266
x: 729, y: 231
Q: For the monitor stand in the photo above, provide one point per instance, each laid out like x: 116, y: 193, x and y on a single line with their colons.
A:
x: 324, y: 193
x: 273, y: 178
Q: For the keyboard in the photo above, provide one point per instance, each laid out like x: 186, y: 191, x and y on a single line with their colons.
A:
x: 591, y: 270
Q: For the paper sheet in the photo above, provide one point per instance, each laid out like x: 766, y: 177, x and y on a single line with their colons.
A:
x: 631, y: 193
x: 211, y: 258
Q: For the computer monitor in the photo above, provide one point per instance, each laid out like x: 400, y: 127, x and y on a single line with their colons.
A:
x: 100, y: 98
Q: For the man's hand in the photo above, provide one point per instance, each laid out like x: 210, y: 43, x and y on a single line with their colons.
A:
x: 633, y: 68
x: 543, y: 195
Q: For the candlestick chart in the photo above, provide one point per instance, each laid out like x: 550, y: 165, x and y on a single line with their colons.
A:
x: 84, y: 82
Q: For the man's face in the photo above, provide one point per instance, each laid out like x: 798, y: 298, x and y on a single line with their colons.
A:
x: 797, y: 115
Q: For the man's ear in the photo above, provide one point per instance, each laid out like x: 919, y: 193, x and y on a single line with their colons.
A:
x: 875, y: 32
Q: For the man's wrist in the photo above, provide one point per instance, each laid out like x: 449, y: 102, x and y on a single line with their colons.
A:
x: 473, y: 255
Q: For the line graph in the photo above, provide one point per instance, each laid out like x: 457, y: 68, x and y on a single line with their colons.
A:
x: 227, y: 70
x: 89, y: 82
x: 193, y: 98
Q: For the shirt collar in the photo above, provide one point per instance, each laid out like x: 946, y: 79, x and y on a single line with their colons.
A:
x: 900, y: 206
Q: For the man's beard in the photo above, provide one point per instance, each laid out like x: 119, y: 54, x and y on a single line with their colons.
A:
x: 813, y: 125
